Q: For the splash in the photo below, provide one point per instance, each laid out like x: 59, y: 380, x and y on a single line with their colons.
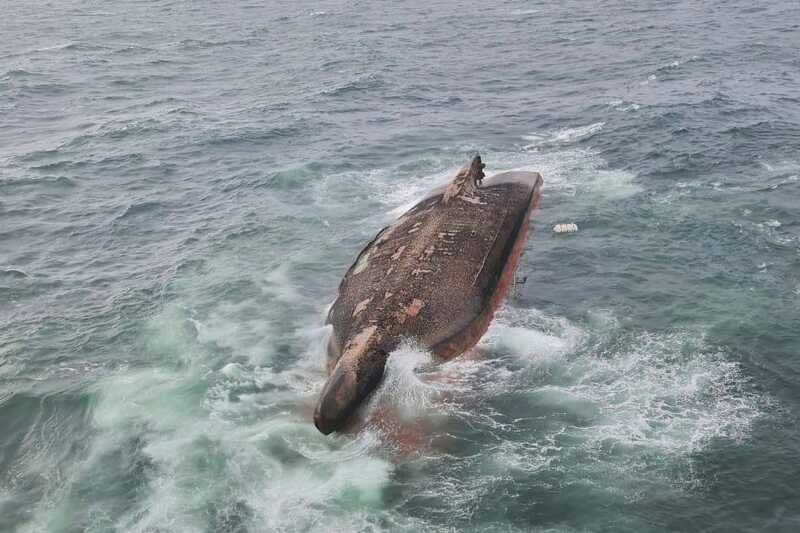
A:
x: 571, y: 172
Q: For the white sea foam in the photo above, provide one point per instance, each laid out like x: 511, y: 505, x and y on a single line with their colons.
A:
x: 526, y: 342
x: 298, y: 500
x: 569, y: 170
x: 525, y: 12
x: 635, y: 395
x: 574, y: 172
x: 563, y: 135
x: 409, y: 194
x: 650, y: 78
x: 606, y: 402
x: 402, y: 389
x: 571, y: 134
x: 60, y: 46
x: 236, y: 440
x: 622, y: 105
x: 642, y: 392
x: 528, y: 456
x: 770, y: 231
x: 530, y: 334
x: 678, y: 62
x: 241, y: 437
x: 665, y: 392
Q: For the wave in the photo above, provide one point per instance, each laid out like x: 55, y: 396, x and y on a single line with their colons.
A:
x: 564, y: 135
x: 13, y: 273
x: 69, y: 45
x: 571, y: 172
x: 357, y: 84
x: 46, y: 181
x: 140, y: 208
x: 571, y: 134
x: 677, y: 63
x: 623, y: 105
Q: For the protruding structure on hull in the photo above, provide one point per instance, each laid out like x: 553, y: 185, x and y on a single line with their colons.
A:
x: 436, y: 275
x: 466, y: 181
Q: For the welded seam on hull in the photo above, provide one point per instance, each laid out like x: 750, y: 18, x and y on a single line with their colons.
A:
x: 489, y: 307
x: 486, y: 256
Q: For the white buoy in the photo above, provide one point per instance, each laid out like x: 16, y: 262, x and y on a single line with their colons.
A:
x: 565, y: 228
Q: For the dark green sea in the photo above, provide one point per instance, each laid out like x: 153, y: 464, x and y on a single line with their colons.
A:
x: 184, y: 183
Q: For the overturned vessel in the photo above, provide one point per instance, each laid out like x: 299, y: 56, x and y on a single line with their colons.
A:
x: 435, y: 275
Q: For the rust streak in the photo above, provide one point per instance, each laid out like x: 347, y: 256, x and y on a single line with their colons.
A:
x: 414, y: 307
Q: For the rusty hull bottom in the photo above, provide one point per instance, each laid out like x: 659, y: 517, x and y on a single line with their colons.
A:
x: 469, y: 336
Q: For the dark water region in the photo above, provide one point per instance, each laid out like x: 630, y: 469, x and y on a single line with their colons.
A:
x: 183, y: 184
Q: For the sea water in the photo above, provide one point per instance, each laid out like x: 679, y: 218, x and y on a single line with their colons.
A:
x: 183, y: 185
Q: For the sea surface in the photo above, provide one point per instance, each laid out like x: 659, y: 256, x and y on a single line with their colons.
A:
x: 184, y: 183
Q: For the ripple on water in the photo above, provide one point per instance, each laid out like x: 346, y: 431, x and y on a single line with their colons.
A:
x: 140, y: 208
